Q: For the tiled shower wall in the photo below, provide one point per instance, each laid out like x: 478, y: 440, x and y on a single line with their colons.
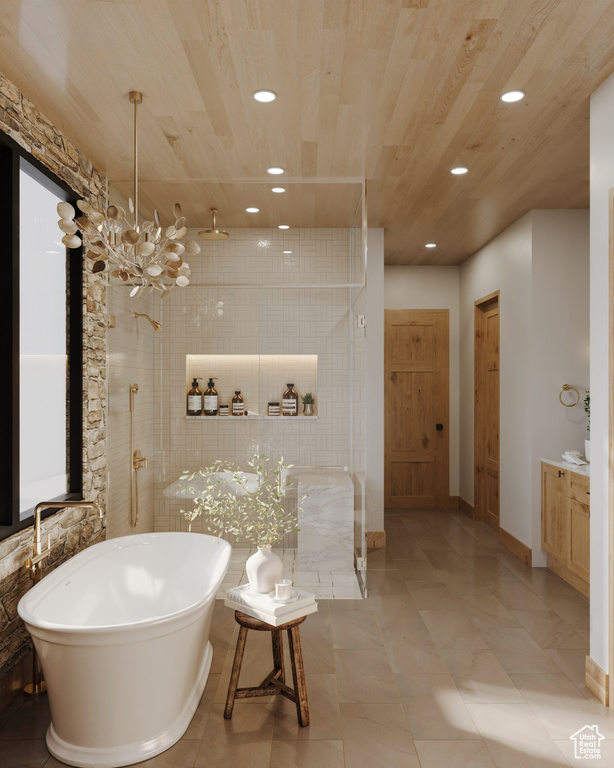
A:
x: 130, y: 360
x: 271, y: 304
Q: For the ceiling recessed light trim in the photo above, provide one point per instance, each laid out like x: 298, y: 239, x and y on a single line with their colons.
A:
x: 264, y: 95
x: 275, y: 170
x: 511, y: 96
x: 252, y: 209
x: 278, y: 190
x: 430, y: 245
x: 459, y: 170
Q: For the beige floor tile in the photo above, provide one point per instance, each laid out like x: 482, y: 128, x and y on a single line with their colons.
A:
x: 574, y: 609
x: 412, y: 652
x: 434, y: 708
x: 317, y: 646
x: 454, y: 754
x: 514, y: 736
x: 433, y: 541
x: 384, y: 583
x: 364, y: 676
x: 395, y: 613
x: 30, y: 721
x: 356, y: 629
x: 447, y: 560
x: 480, y: 677
x: 30, y: 753
x: 403, y: 547
x: 549, y: 630
x: 452, y: 629
x: 487, y: 568
x: 466, y: 583
x: 487, y: 612
x: 559, y: 705
x: 432, y: 596
x: 380, y: 560
x: 377, y: 736
x: 244, y: 740
x: 306, y: 754
x: 418, y: 570
x: 183, y: 753
x: 544, y: 583
x: 197, y: 726
x: 323, y: 710
x: 572, y: 662
x: 515, y: 595
x: 517, y: 651
x: 606, y: 753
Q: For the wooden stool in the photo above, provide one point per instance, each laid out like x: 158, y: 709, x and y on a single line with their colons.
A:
x: 275, y: 682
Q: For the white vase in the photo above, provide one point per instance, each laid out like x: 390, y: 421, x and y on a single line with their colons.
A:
x: 263, y: 569
x: 587, y: 450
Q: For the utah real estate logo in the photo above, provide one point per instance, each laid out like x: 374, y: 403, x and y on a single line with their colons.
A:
x: 587, y: 743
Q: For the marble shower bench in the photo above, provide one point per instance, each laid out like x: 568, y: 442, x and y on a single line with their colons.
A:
x: 326, y: 522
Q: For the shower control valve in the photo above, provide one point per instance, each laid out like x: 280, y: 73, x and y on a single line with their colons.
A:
x: 138, y: 461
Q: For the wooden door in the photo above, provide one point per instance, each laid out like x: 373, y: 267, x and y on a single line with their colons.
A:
x: 487, y: 410
x: 417, y: 405
x: 555, y: 529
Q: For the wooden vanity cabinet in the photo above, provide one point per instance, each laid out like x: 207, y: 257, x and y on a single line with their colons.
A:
x: 566, y: 524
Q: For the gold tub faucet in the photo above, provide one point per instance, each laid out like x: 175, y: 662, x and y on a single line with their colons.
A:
x: 33, y: 564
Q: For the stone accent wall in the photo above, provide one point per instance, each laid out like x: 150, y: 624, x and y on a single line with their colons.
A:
x: 73, y: 529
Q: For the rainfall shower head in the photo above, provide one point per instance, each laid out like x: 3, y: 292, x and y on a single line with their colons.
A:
x: 214, y: 233
x: 154, y: 324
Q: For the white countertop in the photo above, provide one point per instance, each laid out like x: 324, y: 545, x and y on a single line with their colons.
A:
x: 584, y: 469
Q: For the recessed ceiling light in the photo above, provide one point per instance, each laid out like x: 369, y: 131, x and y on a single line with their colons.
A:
x: 252, y: 210
x: 431, y: 245
x: 459, y: 170
x: 264, y: 95
x: 283, y: 226
x: 287, y: 253
x: 275, y: 170
x: 511, y: 96
x: 278, y: 190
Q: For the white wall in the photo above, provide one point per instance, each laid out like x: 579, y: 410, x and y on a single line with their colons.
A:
x: 375, y: 381
x: 433, y: 288
x: 602, y: 180
x: 560, y: 340
x: 540, y: 265
x: 504, y: 264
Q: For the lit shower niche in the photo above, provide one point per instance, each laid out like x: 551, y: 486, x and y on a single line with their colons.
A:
x: 261, y: 379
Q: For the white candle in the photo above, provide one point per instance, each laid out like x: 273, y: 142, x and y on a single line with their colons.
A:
x: 283, y: 589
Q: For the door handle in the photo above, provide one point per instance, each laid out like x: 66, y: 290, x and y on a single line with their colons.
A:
x: 439, y: 427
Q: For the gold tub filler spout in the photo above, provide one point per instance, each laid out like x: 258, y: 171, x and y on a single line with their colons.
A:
x: 35, y: 571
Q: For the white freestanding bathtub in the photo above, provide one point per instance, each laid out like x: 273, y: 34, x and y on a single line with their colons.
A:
x: 122, y: 632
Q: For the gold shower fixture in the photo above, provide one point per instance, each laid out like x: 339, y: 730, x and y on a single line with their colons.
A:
x: 214, y: 233
x: 154, y: 324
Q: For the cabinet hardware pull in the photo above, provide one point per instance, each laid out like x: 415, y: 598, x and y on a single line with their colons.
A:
x: 561, y: 474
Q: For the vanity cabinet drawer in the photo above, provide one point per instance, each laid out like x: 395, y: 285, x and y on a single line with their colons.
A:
x: 578, y: 487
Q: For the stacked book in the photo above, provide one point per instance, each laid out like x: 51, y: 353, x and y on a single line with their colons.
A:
x: 267, y: 609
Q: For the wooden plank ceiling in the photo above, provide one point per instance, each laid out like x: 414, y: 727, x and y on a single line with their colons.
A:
x: 393, y: 91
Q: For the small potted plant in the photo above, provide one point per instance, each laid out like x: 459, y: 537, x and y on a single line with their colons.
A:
x: 587, y: 410
x: 308, y: 403
x: 251, y: 511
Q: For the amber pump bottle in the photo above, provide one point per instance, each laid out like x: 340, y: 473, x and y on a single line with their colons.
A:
x: 195, y: 399
x: 210, y: 398
x: 238, y: 404
x: 290, y: 401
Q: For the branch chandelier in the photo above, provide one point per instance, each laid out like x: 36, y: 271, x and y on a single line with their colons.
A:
x: 139, y: 255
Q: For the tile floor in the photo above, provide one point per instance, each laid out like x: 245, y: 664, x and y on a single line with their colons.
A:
x: 341, y: 585
x: 460, y: 656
